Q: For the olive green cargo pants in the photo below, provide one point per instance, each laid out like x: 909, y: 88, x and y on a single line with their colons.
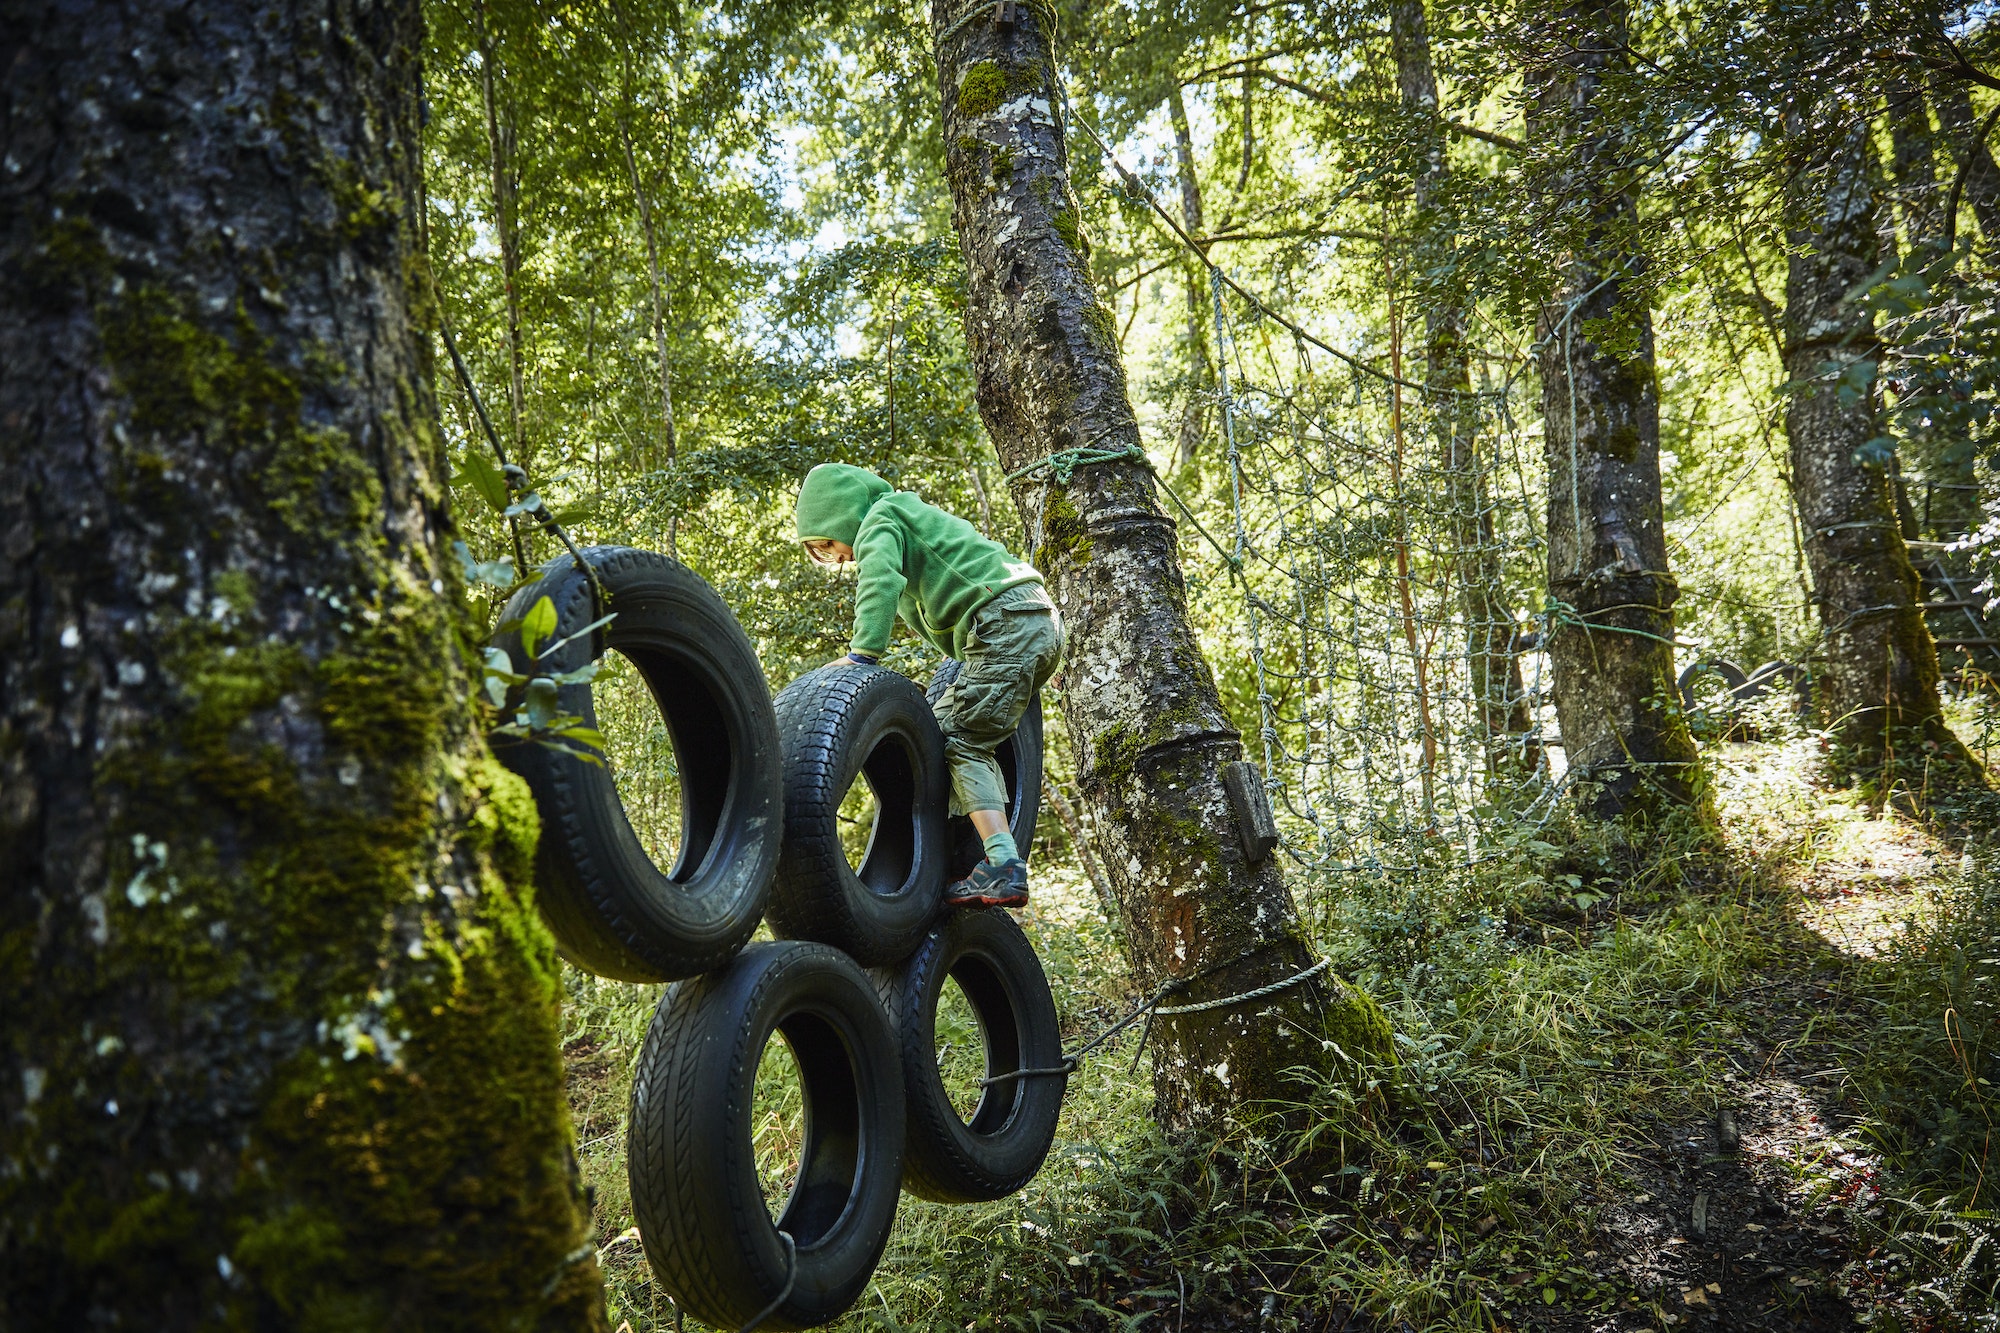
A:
x: 1013, y: 646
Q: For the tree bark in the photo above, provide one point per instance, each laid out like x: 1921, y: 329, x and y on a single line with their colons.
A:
x: 645, y: 202
x: 1611, y: 592
x: 1143, y: 713
x: 1201, y: 380
x: 281, y: 1026
x: 1878, y: 674
x: 1916, y: 165
x: 1494, y: 672
x: 1982, y: 180
x: 505, y: 181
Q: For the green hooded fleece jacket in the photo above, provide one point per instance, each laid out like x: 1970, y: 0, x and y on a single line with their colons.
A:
x: 914, y: 559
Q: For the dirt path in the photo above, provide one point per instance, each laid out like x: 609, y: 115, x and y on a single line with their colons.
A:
x: 1762, y: 1215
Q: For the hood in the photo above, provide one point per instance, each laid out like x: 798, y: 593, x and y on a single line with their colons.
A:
x: 834, y: 500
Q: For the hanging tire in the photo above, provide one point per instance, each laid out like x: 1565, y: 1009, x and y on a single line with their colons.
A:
x: 690, y: 1150
x: 611, y: 909
x: 1728, y: 673
x: 1778, y: 675
x: 1000, y: 1146
x: 1020, y: 760
x: 836, y: 725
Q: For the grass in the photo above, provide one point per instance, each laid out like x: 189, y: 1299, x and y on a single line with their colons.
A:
x: 1576, y: 1013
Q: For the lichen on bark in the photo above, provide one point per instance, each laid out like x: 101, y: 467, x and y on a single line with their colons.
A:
x: 1141, y: 706
x: 1611, y: 593
x: 282, y: 1031
x: 1876, y: 675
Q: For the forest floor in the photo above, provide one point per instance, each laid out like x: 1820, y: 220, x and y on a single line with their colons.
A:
x: 1729, y: 1089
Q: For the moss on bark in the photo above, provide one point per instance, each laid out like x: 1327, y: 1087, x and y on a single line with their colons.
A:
x: 282, y: 1039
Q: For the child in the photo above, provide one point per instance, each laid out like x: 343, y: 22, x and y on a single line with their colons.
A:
x: 972, y: 601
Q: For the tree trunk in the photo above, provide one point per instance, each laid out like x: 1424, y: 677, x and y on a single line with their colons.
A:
x: 1982, y: 178
x: 1493, y: 671
x: 1878, y: 674
x: 1201, y: 380
x: 1144, y: 717
x: 505, y: 180
x: 1611, y: 594
x: 281, y: 1022
x: 1916, y: 164
x: 645, y: 202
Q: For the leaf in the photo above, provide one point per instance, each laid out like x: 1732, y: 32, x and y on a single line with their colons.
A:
x: 590, y: 736
x: 542, y: 702
x: 1876, y: 452
x: 596, y: 624
x: 527, y: 504
x: 485, y: 479
x: 499, y: 675
x: 583, y: 675
x: 493, y: 573
x: 538, y: 624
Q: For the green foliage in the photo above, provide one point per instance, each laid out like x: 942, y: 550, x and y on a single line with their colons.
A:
x: 1560, y: 984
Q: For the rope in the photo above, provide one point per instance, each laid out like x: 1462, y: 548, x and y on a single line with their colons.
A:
x: 1151, y: 1008
x: 1138, y: 189
x: 517, y: 479
x: 791, y: 1278
x: 999, y: 10
x: 1063, y: 463
x: 1558, y: 614
x: 1247, y: 996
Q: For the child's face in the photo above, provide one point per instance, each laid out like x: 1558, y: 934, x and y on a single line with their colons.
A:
x: 827, y: 551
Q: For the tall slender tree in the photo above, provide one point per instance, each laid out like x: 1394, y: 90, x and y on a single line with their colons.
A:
x: 1201, y: 377
x: 1149, y: 732
x: 1495, y: 671
x: 280, y: 1045
x: 1878, y: 671
x: 1611, y: 593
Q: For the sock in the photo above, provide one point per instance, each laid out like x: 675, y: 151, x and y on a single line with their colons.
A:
x: 1000, y: 847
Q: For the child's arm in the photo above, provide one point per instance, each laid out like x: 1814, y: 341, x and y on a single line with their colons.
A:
x: 878, y: 555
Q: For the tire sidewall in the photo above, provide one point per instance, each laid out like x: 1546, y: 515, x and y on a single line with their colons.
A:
x: 612, y: 910
x: 818, y: 895
x: 944, y: 1159
x: 710, y: 1097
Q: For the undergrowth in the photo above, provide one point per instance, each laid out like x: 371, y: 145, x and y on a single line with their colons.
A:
x: 1555, y: 1004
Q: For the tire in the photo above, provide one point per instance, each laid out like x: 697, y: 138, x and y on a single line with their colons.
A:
x: 1020, y: 760
x: 690, y: 1153
x: 836, y: 724
x: 1777, y: 674
x: 1728, y: 673
x: 1002, y: 1146
x: 612, y: 911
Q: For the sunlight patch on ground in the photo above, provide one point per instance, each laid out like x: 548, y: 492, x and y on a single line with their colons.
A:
x: 1867, y: 881
x: 1862, y: 878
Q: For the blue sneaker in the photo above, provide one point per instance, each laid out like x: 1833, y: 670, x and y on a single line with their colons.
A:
x: 990, y: 885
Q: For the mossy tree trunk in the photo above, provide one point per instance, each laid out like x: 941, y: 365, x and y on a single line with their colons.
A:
x: 1144, y: 716
x: 1499, y: 698
x: 1877, y: 671
x: 281, y: 1024
x: 1611, y: 593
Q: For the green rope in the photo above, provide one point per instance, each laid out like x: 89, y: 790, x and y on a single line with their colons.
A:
x: 1561, y: 613
x: 1061, y: 466
x: 1063, y: 463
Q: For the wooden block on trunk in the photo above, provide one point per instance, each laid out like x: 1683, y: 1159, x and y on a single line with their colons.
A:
x: 1255, y: 825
